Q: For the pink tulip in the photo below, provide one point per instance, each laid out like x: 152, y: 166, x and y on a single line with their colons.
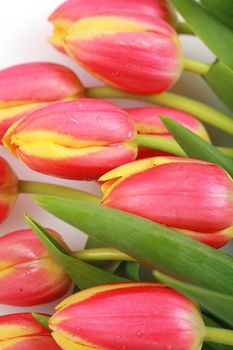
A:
x: 73, y: 10
x: 27, y: 87
x: 129, y: 316
x: 141, y: 55
x: 181, y: 193
x: 8, y: 189
x: 23, y: 332
x: 28, y: 273
x: 147, y: 121
x: 75, y: 140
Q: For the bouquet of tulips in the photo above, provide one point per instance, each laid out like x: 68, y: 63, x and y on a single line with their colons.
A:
x: 151, y: 276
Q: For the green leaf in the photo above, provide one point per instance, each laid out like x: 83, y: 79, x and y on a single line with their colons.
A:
x: 129, y: 269
x: 217, y: 36
x: 219, y: 304
x: 42, y: 319
x: 154, y: 245
x: 195, y: 147
x: 83, y: 274
x: 223, y: 9
x: 220, y: 79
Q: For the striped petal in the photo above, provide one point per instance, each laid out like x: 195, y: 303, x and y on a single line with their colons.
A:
x: 150, y: 54
x: 73, y: 10
x: 136, y: 315
x: 77, y: 140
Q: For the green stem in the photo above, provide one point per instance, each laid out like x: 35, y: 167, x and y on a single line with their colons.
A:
x: 56, y: 190
x: 219, y: 335
x: 183, y: 28
x: 102, y: 254
x: 196, y: 66
x: 161, y: 143
x: 171, y: 146
x: 199, y: 110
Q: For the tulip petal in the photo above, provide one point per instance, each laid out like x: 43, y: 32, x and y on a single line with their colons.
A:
x: 97, y: 42
x: 67, y: 344
x: 37, y: 82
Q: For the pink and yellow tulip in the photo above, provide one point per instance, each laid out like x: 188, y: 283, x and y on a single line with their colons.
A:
x: 73, y: 10
x: 27, y: 87
x: 147, y: 121
x: 23, y: 332
x: 191, y: 196
x: 129, y: 316
x: 28, y: 273
x: 8, y: 188
x: 75, y: 140
x: 113, y: 49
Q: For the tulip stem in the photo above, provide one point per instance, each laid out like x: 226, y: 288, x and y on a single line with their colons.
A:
x: 183, y: 28
x: 161, y: 143
x: 218, y: 335
x: 56, y: 190
x: 196, y: 66
x: 171, y: 146
x: 199, y: 110
x: 102, y: 254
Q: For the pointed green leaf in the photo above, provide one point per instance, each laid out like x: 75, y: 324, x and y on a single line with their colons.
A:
x: 219, y: 304
x: 217, y: 36
x: 42, y: 319
x: 195, y: 147
x: 220, y: 79
x: 84, y: 275
x: 223, y: 9
x: 150, y: 243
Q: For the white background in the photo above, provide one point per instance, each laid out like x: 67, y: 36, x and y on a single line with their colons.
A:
x: 23, y: 38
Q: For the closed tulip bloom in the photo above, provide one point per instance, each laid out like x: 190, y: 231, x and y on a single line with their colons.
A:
x: 181, y: 193
x: 136, y: 55
x: 129, y: 316
x: 23, y: 332
x: 73, y: 10
x: 26, y: 87
x: 8, y: 189
x: 147, y: 121
x: 75, y: 140
x: 28, y: 273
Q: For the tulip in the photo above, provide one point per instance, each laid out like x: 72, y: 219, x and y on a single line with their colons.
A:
x: 73, y: 10
x: 8, y: 189
x: 147, y: 121
x: 129, y: 316
x: 28, y: 273
x: 76, y: 140
x: 181, y: 193
x: 136, y: 55
x: 27, y: 87
x: 22, y: 332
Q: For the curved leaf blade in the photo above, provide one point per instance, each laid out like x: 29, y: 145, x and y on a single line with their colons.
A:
x: 219, y: 304
x: 84, y: 275
x: 195, y: 147
x: 154, y: 245
x: 220, y: 78
x: 223, y: 9
x: 214, y: 33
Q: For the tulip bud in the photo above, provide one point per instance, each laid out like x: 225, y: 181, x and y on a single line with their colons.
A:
x: 135, y: 55
x: 22, y: 332
x: 181, y: 193
x: 28, y: 273
x: 26, y: 87
x: 73, y: 10
x: 147, y: 121
x: 75, y: 140
x: 129, y: 316
x: 8, y: 188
